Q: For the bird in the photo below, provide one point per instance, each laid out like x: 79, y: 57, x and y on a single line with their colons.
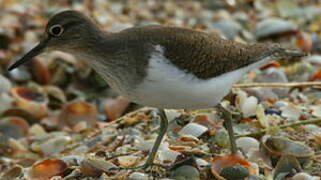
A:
x: 165, y: 67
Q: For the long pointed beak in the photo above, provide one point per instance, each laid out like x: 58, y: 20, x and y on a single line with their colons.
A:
x: 32, y: 53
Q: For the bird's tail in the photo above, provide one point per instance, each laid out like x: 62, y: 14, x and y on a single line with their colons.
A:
x: 289, y: 53
x: 288, y: 56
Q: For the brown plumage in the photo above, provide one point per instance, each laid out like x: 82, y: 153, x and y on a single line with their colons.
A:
x: 202, y: 54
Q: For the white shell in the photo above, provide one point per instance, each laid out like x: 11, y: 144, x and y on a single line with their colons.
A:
x: 304, y: 176
x: 193, y: 129
x: 247, y: 143
x: 168, y: 156
x: 127, y: 161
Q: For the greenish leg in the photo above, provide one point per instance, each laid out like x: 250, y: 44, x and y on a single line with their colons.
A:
x: 162, y: 131
x: 228, y: 123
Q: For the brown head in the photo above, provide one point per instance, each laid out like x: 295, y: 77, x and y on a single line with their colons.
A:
x: 68, y: 31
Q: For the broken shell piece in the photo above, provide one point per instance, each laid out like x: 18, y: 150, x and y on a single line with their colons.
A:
x: 304, y: 176
x: 5, y: 84
x: 94, y: 167
x: 291, y: 111
x: 179, y: 148
x: 13, y: 173
x: 168, y: 156
x: 47, y: 168
x: 247, y: 105
x: 280, y: 146
x: 76, y: 112
x: 201, y: 162
x: 127, y: 161
x: 55, y: 145
x: 188, y: 138
x: 193, y: 129
x: 30, y: 100
x: 247, y: 143
x: 316, y: 111
x: 116, y: 108
x: 138, y: 176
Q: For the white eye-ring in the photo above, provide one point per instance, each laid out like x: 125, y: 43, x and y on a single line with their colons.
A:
x: 56, y: 30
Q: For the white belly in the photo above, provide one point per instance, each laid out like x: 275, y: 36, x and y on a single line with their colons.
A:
x: 169, y: 87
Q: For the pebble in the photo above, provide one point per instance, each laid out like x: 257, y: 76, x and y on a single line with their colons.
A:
x: 186, y: 172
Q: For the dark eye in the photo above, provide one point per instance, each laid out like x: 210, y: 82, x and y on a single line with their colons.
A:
x: 56, y: 30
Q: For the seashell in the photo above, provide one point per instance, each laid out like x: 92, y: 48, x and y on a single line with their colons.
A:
x: 5, y: 84
x: 274, y: 26
x: 168, y: 156
x: 94, y: 167
x: 193, y: 129
x: 285, y: 165
x: 30, y: 100
x: 55, y: 92
x: 280, y: 146
x: 47, y: 168
x: 316, y: 110
x: 76, y: 112
x: 18, y: 112
x: 247, y: 105
x: 188, y: 138
x: 232, y: 163
x: 127, y: 161
x: 313, y: 59
x: 172, y: 114
x: 228, y: 27
x: 291, y: 111
x: 55, y: 145
x: 304, y: 176
x: 138, y: 176
x: 73, y: 160
x: 6, y: 102
x: 37, y: 130
x: 247, y: 143
x: 20, y: 75
x: 201, y: 162
x: 261, y: 117
x: 13, y: 127
x: 13, y: 173
x: 40, y: 71
x: 116, y: 108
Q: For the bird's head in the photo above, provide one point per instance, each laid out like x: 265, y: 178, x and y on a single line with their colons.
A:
x: 68, y: 31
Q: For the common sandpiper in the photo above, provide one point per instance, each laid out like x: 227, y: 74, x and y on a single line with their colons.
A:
x: 159, y: 66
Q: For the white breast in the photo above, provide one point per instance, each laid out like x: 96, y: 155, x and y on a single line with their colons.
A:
x: 169, y: 87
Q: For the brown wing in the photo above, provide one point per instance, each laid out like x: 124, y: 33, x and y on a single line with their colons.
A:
x: 202, y: 54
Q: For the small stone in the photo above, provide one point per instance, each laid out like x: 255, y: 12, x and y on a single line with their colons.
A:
x: 234, y: 172
x: 186, y: 172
